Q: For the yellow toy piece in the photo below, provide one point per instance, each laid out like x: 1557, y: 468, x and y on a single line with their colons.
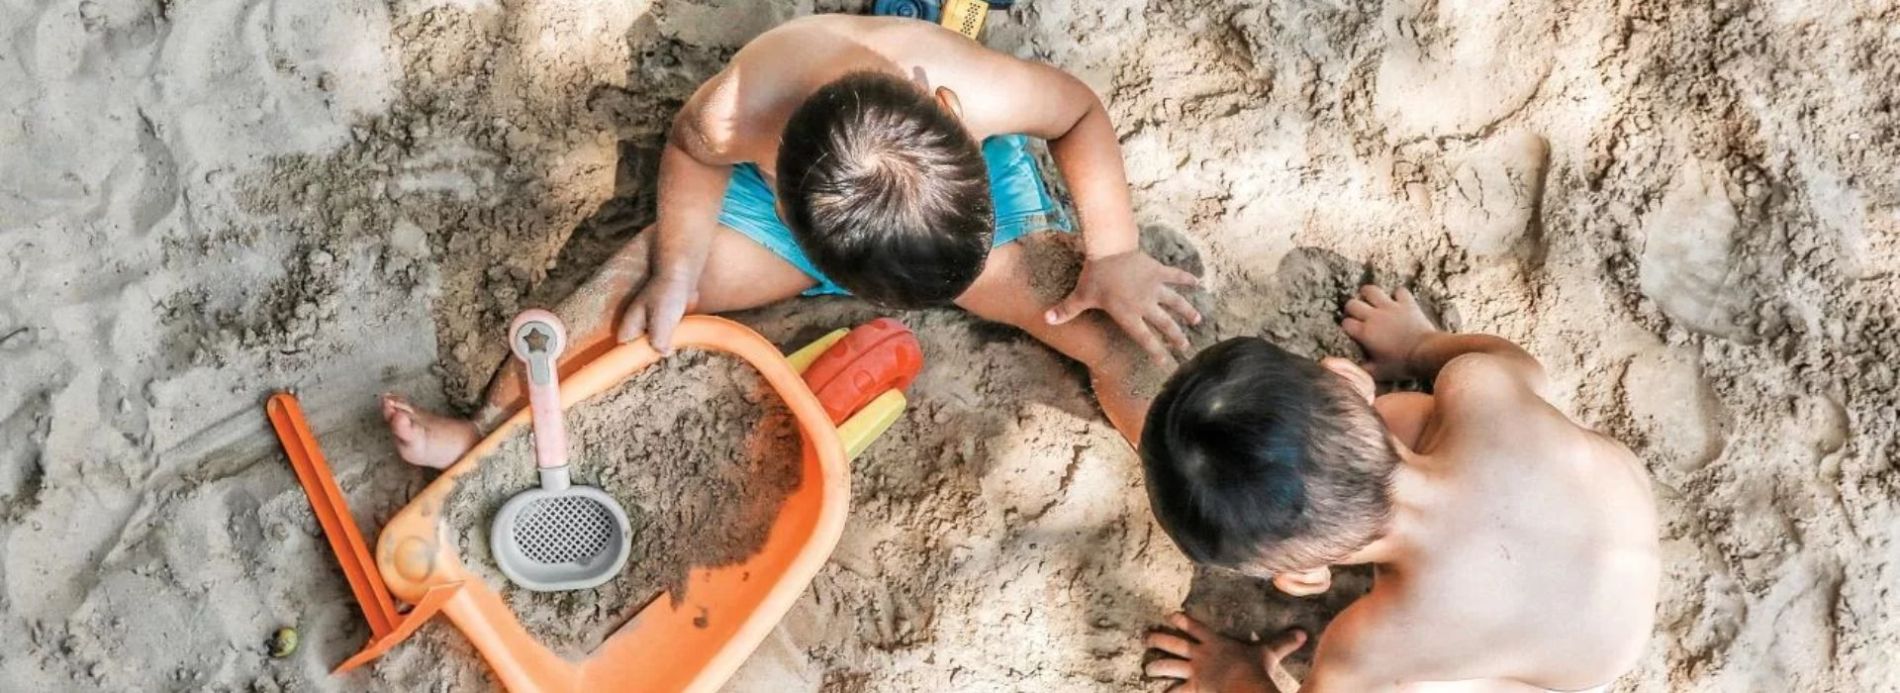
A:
x: 965, y: 16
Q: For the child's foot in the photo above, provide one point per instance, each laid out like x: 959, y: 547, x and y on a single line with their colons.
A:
x: 426, y: 439
x: 1204, y: 660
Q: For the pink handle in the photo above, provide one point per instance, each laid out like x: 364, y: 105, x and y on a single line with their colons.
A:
x: 537, y: 337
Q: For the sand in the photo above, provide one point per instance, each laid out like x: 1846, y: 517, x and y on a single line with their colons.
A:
x: 1687, y: 210
x: 700, y: 454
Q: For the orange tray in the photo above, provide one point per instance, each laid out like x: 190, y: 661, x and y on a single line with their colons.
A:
x: 698, y: 643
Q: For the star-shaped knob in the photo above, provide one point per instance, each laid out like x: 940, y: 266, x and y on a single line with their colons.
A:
x: 537, y: 339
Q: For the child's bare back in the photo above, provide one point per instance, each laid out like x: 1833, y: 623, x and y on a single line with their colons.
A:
x: 1514, y: 549
x: 740, y: 113
x: 1533, y: 557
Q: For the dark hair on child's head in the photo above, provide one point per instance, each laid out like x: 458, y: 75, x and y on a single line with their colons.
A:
x: 886, y: 191
x: 1261, y: 461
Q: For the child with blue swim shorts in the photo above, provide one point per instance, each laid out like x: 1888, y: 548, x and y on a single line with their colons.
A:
x: 887, y: 159
x: 1021, y: 205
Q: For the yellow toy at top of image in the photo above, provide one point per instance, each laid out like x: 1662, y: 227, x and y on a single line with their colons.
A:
x: 962, y: 16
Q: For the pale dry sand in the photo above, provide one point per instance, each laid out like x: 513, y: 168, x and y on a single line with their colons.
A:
x: 1689, y: 210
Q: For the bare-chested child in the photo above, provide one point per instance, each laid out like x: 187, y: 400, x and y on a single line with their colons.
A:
x: 1513, y: 550
x: 884, y: 158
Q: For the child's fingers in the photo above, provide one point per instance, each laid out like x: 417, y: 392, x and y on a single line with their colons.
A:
x: 633, y: 324
x: 661, y: 332
x: 1160, y: 320
x: 1169, y: 643
x: 1359, y: 309
x: 1286, y: 643
x: 1168, y: 668
x: 1146, y: 338
x: 1193, y: 628
x: 1354, y: 327
x: 1179, y: 304
x: 1067, y: 309
x: 1179, y: 277
x: 1374, y: 295
x: 1402, y: 295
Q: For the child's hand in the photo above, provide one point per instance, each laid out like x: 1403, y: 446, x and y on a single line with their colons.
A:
x: 657, y: 309
x: 1208, y: 662
x: 1133, y: 289
x: 1389, y: 328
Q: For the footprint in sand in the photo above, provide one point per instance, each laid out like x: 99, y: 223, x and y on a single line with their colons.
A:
x: 1683, y: 424
x: 451, y: 167
x: 1491, y: 204
x: 1455, y: 66
x: 1172, y: 248
x: 23, y: 432
x: 1687, y: 266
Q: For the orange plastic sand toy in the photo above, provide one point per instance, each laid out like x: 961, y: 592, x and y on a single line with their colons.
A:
x: 387, y: 627
x: 697, y: 644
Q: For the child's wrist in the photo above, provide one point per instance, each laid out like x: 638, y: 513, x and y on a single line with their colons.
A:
x: 677, y: 275
x: 1415, y: 355
x: 1098, y: 245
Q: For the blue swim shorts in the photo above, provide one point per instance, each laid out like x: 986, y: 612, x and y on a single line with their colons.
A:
x: 1023, y: 206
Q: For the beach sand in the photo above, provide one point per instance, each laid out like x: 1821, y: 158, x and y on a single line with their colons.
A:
x: 1689, y: 211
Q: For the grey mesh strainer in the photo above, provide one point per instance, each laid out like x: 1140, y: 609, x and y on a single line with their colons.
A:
x: 559, y: 536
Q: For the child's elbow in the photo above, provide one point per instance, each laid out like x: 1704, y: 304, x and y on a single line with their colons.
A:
x: 1091, y: 105
x: 1081, y: 103
x: 704, y: 144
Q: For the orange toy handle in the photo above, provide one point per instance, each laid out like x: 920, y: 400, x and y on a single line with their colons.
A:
x: 333, y: 512
x: 877, y: 356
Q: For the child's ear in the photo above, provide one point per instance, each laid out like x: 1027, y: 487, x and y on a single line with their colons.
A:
x: 1360, y: 379
x: 949, y: 101
x: 1304, y: 583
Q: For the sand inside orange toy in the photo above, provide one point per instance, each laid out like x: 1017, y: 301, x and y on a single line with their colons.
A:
x: 699, y: 451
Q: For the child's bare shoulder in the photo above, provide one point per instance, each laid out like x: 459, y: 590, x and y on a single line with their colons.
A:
x: 739, y: 109
x: 1477, y: 378
x: 1487, y: 397
x: 817, y: 32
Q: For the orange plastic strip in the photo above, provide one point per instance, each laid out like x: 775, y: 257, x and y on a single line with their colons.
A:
x: 432, y: 602
x: 333, y: 512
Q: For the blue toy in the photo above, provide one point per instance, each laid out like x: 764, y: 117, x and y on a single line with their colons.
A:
x: 927, y: 10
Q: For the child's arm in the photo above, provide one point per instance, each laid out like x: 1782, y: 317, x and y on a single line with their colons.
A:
x: 1117, y: 277
x: 1401, y: 343
x: 1348, y: 658
x: 694, y: 170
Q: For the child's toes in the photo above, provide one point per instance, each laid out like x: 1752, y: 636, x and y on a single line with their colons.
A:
x: 405, y: 429
x: 393, y: 402
x: 402, y: 422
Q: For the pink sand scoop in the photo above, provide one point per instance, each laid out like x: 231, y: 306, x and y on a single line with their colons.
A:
x: 559, y: 536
